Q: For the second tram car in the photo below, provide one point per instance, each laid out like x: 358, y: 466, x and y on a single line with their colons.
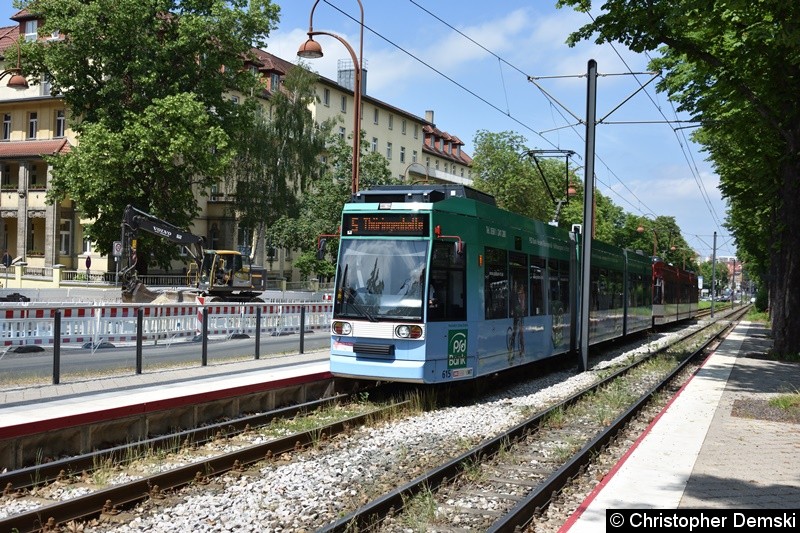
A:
x: 436, y: 283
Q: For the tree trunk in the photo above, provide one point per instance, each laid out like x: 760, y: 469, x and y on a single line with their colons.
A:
x: 785, y: 282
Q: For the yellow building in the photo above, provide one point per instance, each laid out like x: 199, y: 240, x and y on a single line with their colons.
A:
x: 36, y: 125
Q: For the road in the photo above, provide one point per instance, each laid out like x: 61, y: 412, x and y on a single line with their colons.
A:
x: 23, y: 368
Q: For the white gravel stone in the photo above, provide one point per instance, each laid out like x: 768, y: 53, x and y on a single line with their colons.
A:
x: 316, y: 488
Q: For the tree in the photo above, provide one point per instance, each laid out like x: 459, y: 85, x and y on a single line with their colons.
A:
x: 146, y: 84
x: 500, y: 168
x: 734, y: 66
x: 709, y: 277
x: 533, y: 187
x: 321, y: 208
x: 279, y: 159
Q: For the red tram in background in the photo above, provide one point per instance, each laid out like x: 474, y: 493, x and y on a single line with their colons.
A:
x: 675, y: 293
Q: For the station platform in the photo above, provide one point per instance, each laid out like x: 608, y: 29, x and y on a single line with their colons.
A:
x: 37, y: 409
x: 716, y: 445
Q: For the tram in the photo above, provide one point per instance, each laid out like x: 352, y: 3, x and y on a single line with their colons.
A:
x: 435, y: 283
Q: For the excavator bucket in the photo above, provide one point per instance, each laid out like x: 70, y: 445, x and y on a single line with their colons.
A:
x: 137, y: 292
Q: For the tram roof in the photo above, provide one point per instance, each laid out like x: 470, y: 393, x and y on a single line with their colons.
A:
x: 429, y: 193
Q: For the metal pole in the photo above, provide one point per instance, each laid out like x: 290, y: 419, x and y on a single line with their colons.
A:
x: 204, y: 333
x: 588, y: 204
x: 302, y: 329
x: 139, y: 330
x: 713, y: 273
x: 258, y: 332
x: 57, y: 348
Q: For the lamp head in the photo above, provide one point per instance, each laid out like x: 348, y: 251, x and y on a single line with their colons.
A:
x: 18, y: 81
x: 311, y: 49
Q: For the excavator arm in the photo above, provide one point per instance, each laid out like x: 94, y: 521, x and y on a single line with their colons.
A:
x: 135, y: 220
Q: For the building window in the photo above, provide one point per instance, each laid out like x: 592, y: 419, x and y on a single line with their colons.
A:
x: 403, y: 127
x: 376, y: 116
x: 5, y: 176
x: 31, y: 30
x: 402, y: 154
x: 374, y: 144
x: 326, y: 97
x: 6, y: 126
x: 31, y: 237
x: 61, y: 123
x: 65, y: 237
x: 274, y: 81
x: 87, y: 245
x: 213, y: 236
x: 344, y: 104
x: 389, y: 151
x: 342, y: 132
x: 416, y: 131
x: 391, y: 122
x: 414, y: 156
x: 33, y: 124
x: 33, y: 177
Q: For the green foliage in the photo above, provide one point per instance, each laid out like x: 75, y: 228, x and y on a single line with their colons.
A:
x: 321, y: 209
x: 279, y: 157
x: 534, y: 187
x: 151, y: 105
x: 722, y: 278
x: 762, y: 298
x: 734, y: 66
x: 500, y: 169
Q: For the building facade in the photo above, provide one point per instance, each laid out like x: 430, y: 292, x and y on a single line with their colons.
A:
x: 36, y: 125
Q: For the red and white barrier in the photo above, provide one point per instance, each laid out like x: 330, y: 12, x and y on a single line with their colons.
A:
x: 31, y: 324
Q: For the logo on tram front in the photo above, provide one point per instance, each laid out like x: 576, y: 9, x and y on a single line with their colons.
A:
x: 457, y: 348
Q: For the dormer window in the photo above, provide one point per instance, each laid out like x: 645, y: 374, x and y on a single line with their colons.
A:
x: 31, y: 30
x: 274, y: 81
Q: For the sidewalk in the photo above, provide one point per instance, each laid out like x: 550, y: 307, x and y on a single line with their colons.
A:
x: 716, y: 445
x: 750, y: 457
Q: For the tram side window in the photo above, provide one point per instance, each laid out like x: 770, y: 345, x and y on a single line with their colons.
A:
x: 559, y: 295
x: 563, y: 273
x: 618, y: 301
x: 495, y: 288
x: 518, y: 271
x: 670, y: 281
x: 537, y: 285
x: 447, y: 289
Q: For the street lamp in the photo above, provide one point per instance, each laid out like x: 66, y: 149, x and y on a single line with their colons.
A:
x: 17, y: 80
x: 312, y: 50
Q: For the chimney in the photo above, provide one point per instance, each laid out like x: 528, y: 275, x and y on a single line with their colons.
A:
x: 346, y: 75
x: 429, y: 115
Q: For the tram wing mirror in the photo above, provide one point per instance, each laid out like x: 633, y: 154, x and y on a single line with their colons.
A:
x: 459, y: 246
x: 321, y: 246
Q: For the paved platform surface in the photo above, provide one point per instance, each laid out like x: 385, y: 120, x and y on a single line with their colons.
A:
x: 36, y: 405
x: 701, y: 452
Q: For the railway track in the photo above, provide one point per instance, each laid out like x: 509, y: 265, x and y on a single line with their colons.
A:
x: 108, y: 501
x: 500, y: 485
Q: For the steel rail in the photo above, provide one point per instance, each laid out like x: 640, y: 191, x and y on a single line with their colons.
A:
x: 372, y: 513
x: 125, y: 495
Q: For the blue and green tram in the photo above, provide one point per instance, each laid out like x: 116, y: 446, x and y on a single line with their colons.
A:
x: 436, y: 283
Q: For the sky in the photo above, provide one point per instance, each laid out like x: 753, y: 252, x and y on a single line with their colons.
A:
x: 471, y: 61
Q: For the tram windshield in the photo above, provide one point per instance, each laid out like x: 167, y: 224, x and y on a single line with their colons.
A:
x: 381, y: 279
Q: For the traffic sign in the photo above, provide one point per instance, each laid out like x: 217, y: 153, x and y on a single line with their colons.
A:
x: 117, y: 249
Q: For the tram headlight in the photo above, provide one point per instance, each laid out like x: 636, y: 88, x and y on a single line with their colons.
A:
x: 342, y: 328
x: 408, y: 331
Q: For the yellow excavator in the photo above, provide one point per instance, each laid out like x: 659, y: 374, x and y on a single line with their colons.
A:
x: 222, y: 275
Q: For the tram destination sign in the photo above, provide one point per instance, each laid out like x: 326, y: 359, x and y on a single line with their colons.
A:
x: 398, y: 224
